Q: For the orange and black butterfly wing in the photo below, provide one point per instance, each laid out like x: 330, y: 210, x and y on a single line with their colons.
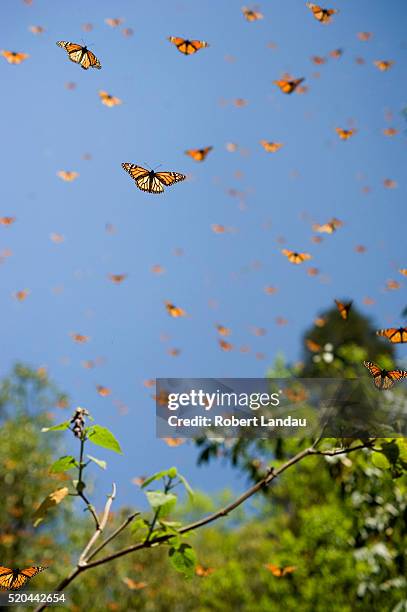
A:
x: 396, y: 336
x: 6, y: 578
x: 139, y: 174
x: 89, y: 60
x: 169, y: 178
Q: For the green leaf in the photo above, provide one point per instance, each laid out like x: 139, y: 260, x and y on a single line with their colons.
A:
x: 103, y: 437
x: 63, y: 464
x: 59, y: 427
x: 164, y: 502
x: 138, y: 525
x: 380, y: 461
x: 183, y: 559
x: 186, y: 485
x: 99, y: 462
x: 155, y: 476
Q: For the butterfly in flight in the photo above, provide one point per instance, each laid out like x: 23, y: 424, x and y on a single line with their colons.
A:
x: 153, y: 182
x: 13, y: 57
x: 15, y: 579
x: 108, y: 100
x: 80, y: 55
x: 174, y: 311
x: 384, y: 379
x: 251, y: 15
x: 321, y: 14
x: 187, y: 47
x: 67, y: 175
x: 203, y: 572
x: 287, y: 86
x: 271, y: 147
x: 329, y: 227
x: 279, y: 572
x: 344, y: 134
x: 343, y: 308
x: 7, y: 220
x: 198, y: 154
x: 294, y: 257
x: 394, y: 334
x: 383, y: 65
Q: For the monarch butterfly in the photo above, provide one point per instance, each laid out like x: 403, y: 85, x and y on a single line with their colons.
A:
x: 280, y: 571
x: 327, y: 228
x: 321, y: 14
x: 344, y: 134
x: 403, y: 271
x: 271, y: 147
x: 294, y: 257
x: 103, y: 391
x: 270, y: 290
x: 312, y: 346
x: 157, y: 269
x: 174, y: 311
x: 79, y: 338
x: 384, y: 379
x: 114, y: 22
x: 364, y: 36
x: 390, y: 183
x: 383, y: 65
x: 390, y: 131
x: 7, y: 220
x: 318, y: 60
x: 13, y: 57
x: 343, y: 309
x: 296, y: 395
x: 392, y: 284
x: 15, y: 579
x: 224, y: 345
x: 80, y: 55
x: 287, y: 86
x: 21, y: 295
x: 67, y: 175
x: 174, y: 442
x: 312, y: 271
x: 133, y: 585
x: 153, y: 182
x: 36, y: 29
x: 393, y: 334
x: 336, y: 53
x: 117, y: 278
x: 222, y: 330
x: 108, y: 100
x: 187, y: 47
x: 251, y: 15
x: 198, y: 154
x: 58, y: 238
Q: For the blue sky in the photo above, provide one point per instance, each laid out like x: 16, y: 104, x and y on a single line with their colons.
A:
x: 172, y: 103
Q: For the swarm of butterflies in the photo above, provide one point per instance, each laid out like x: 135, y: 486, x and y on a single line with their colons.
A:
x: 150, y: 181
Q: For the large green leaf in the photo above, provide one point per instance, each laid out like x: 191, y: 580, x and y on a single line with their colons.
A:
x: 103, y: 437
x: 63, y: 464
x: 164, y: 502
x: 183, y: 559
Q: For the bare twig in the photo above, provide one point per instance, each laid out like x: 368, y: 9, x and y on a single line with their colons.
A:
x: 99, y: 529
x: 113, y: 535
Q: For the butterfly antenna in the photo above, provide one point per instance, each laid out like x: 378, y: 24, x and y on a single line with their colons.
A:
x: 148, y: 166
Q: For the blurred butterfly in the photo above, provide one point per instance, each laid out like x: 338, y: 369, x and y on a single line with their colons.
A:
x: 336, y: 53
x: 127, y: 32
x: 15, y: 579
x: 103, y: 391
x: 392, y: 284
x: 174, y: 442
x: 157, y: 269
x: 364, y: 36
x: 87, y: 27
x: 7, y: 220
x: 153, y: 182
x: 403, y: 271
x: 320, y: 322
x: 318, y: 60
x: 270, y: 290
x: 251, y: 15
x: 279, y: 572
x: 222, y: 330
x: 57, y: 238
x: 390, y: 183
x: 360, y: 248
x: 312, y: 346
x: 79, y: 338
x: 344, y: 134
x: 114, y: 22
x: 393, y: 334
x: 225, y: 346
x: 198, y: 154
x: 80, y: 55
x: 108, y: 100
x: 133, y: 585
x: 174, y: 311
x: 321, y: 14
x: 312, y: 271
x: 296, y: 395
x: 343, y: 308
x: 383, y: 65
x: 384, y: 379
x: 67, y: 175
x: 117, y: 278
x: 294, y: 257
x: 328, y: 228
x: 13, y: 57
x: 287, y: 86
x: 173, y: 352
x: 36, y: 29
x: 202, y: 571
x: 390, y: 131
x: 187, y: 47
x: 368, y: 301
x: 21, y: 295
x: 271, y: 147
